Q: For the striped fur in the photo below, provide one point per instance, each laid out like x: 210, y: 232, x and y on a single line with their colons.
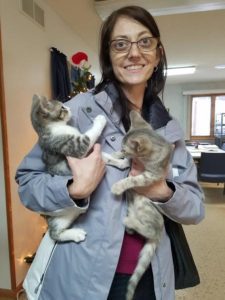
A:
x: 143, y: 143
x: 58, y: 140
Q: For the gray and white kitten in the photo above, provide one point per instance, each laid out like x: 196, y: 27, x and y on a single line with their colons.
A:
x: 58, y: 140
x: 143, y: 143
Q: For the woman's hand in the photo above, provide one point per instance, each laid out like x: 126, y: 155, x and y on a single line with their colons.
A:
x: 158, y: 191
x: 87, y: 173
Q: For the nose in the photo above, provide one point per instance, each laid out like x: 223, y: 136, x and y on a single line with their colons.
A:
x: 134, y: 50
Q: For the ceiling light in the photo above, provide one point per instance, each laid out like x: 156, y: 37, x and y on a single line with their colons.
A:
x: 180, y: 71
x: 219, y: 67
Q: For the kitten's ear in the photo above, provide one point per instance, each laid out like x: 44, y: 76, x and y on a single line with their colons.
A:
x: 135, y: 145
x: 38, y: 100
x: 44, y: 106
x: 141, y: 146
x: 40, y: 105
x: 44, y: 101
x: 35, y: 99
x: 137, y: 121
x: 139, y: 143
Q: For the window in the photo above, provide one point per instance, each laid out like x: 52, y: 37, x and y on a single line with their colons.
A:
x: 204, y: 110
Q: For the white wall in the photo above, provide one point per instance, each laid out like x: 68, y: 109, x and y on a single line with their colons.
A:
x: 26, y: 67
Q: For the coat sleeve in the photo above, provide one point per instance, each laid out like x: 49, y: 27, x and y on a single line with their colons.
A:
x: 187, y: 204
x: 40, y: 191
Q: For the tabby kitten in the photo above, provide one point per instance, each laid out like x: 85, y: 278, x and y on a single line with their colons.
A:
x: 58, y: 140
x: 143, y: 143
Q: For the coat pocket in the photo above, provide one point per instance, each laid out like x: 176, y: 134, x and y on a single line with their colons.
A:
x: 114, y: 140
x: 85, y: 119
x: 35, y: 276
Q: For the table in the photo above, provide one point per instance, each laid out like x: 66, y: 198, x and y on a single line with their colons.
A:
x: 196, y: 152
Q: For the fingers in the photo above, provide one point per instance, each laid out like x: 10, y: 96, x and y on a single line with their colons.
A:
x: 96, y: 151
x: 97, y: 148
x: 87, y: 173
x: 96, y: 155
x: 70, y: 159
x: 136, y: 168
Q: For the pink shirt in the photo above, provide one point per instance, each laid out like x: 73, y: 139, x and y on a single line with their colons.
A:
x: 131, y: 247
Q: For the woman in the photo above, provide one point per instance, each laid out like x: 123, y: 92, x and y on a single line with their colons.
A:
x: 133, y: 61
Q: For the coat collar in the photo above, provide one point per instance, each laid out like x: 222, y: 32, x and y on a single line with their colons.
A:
x: 158, y: 116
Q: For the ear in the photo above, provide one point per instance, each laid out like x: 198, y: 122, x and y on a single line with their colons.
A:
x: 35, y: 99
x: 137, y: 121
x: 135, y: 146
x: 44, y: 101
x: 159, y: 54
x: 42, y: 105
x: 39, y: 100
x: 139, y: 143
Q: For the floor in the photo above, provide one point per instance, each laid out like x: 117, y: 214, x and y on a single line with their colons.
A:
x: 207, y: 242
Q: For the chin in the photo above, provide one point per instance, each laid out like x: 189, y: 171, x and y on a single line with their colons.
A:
x: 135, y: 83
x: 136, y: 80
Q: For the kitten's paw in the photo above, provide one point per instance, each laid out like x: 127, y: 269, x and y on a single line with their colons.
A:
x: 128, y: 226
x: 116, y: 189
x: 124, y: 163
x: 129, y: 231
x: 118, y: 155
x: 79, y: 235
x: 101, y: 120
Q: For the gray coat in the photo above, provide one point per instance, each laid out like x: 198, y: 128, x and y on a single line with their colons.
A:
x: 85, y: 271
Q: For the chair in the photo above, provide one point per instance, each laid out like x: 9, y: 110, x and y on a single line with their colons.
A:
x: 212, y: 168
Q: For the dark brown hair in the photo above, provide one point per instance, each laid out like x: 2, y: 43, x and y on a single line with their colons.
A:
x: 157, y: 81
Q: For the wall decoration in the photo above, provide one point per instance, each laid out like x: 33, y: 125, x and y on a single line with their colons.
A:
x: 81, y: 78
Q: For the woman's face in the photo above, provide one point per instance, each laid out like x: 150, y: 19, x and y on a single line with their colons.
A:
x: 134, y: 67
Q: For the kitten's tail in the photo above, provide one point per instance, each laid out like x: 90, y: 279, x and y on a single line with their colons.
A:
x: 144, y: 260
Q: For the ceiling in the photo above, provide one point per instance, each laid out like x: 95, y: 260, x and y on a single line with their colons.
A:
x: 192, y: 31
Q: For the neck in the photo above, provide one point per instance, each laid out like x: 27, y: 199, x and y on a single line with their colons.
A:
x: 135, y: 95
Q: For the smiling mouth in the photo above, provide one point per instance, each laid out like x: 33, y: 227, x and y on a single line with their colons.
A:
x: 134, y: 67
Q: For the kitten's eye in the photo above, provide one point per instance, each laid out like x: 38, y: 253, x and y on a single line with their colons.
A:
x: 44, y: 114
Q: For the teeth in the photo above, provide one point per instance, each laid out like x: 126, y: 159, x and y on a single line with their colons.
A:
x: 134, y: 67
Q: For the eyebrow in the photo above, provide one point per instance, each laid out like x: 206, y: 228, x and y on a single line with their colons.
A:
x: 126, y: 37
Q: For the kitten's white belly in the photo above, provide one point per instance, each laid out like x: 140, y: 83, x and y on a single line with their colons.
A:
x: 63, y: 129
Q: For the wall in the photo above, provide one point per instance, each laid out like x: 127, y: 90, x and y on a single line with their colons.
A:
x: 26, y: 66
x: 4, y: 247
x: 179, y: 105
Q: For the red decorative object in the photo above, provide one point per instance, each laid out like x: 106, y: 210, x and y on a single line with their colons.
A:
x: 78, y: 57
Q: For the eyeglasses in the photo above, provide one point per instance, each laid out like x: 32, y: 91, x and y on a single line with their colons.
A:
x: 144, y: 45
